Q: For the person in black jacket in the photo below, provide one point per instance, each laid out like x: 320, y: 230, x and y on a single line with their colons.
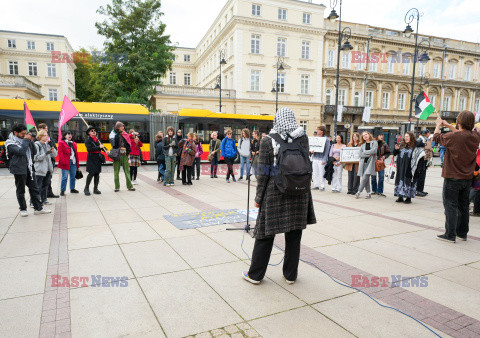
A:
x: 119, y: 139
x: 180, y: 142
x: 94, y: 160
x: 160, y: 156
x: 170, y: 149
x: 20, y: 156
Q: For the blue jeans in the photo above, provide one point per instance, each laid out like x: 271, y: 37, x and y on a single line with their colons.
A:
x: 381, y: 177
x: 161, y: 170
x: 244, y: 160
x: 72, y: 171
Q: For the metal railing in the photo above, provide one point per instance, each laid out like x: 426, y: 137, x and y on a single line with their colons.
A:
x: 19, y: 81
x: 193, y: 91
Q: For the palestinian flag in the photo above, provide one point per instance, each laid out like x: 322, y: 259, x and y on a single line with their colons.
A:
x: 30, y: 123
x: 423, y: 107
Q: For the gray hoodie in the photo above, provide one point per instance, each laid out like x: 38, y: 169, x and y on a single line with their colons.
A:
x: 42, y: 161
x: 244, y: 147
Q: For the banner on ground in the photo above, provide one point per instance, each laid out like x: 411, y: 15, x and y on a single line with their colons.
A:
x: 208, y: 218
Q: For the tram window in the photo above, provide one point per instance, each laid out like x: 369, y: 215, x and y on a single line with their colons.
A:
x: 5, y: 128
x: 74, y: 128
x: 201, y: 132
x: 210, y: 129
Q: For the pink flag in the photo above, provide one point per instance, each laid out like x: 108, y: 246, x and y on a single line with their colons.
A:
x: 68, y: 111
x: 28, y: 117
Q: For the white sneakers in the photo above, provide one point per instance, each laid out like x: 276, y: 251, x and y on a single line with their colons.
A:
x: 134, y: 182
x: 23, y: 213
x: 42, y: 212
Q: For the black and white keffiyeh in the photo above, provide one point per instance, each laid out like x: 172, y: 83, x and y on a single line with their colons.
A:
x: 285, y: 124
x: 12, y: 139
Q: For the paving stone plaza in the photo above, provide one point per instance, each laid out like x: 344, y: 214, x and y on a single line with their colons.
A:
x: 179, y: 283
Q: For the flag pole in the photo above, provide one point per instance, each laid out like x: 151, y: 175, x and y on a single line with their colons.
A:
x: 101, y: 144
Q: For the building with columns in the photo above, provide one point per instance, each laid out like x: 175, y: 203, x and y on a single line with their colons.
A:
x: 250, y: 35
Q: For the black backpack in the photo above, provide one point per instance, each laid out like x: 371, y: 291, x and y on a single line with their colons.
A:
x: 293, y: 174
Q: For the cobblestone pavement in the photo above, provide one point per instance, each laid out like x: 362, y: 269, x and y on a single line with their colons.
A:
x: 141, y: 276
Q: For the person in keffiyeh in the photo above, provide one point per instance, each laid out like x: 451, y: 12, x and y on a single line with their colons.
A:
x: 20, y: 164
x: 278, y: 212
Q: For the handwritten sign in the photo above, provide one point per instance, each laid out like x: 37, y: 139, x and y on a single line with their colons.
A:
x: 317, y: 144
x: 350, y: 155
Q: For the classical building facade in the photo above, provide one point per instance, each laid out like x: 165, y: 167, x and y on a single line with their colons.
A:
x: 453, y: 74
x: 28, y: 70
x: 250, y: 35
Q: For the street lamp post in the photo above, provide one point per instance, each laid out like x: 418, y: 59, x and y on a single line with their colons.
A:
x: 411, y: 15
x: 276, y: 84
x: 219, y: 77
x: 344, y: 34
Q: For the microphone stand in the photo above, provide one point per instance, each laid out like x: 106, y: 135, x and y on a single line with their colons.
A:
x: 247, y: 226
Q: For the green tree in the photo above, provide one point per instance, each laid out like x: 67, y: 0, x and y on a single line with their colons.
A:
x: 85, y: 76
x: 132, y: 28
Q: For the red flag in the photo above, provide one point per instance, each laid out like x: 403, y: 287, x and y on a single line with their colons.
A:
x: 28, y: 117
x: 68, y: 111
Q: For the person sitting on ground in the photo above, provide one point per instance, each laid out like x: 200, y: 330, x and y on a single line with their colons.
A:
x: 279, y: 212
x: 20, y: 165
x: 457, y: 171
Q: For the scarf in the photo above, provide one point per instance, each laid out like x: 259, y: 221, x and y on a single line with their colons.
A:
x: 187, y: 148
x: 285, y: 125
x: 14, y: 140
x: 124, y: 134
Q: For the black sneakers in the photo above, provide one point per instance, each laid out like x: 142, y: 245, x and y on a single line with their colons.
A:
x: 445, y: 239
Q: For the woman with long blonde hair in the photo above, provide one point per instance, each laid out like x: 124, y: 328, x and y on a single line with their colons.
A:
x: 366, y: 166
x: 352, y: 168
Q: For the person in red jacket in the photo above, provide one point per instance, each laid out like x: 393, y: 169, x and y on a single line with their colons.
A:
x: 134, y: 156
x: 68, y: 162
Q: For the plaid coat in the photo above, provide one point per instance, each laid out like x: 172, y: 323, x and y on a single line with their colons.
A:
x: 279, y: 213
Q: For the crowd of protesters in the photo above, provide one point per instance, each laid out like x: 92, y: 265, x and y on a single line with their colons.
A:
x: 31, y: 159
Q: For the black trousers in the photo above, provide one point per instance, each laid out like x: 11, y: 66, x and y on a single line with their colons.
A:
x: 133, y: 173
x: 353, y: 179
x: 229, y: 161
x: 187, y: 174
x: 456, y: 201
x: 263, y: 249
x: 475, y: 198
x: 26, y: 180
x: 421, y: 174
x: 179, y: 157
x: 197, y: 165
x: 42, y: 186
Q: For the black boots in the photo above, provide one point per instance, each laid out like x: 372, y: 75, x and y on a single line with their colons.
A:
x: 86, y: 191
x: 96, y: 180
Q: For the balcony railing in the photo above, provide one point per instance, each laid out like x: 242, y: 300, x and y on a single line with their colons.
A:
x: 19, y: 81
x: 194, y: 91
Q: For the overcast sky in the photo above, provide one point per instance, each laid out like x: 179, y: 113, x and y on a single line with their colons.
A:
x: 188, y: 20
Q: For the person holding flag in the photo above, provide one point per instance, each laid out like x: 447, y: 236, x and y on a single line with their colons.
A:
x: 120, y: 141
